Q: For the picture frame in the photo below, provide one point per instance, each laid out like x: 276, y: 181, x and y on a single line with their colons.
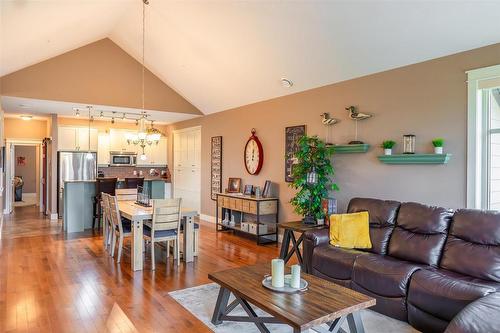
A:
x: 292, y: 136
x: 266, y: 192
x: 234, y: 185
x: 248, y: 189
x: 215, y: 166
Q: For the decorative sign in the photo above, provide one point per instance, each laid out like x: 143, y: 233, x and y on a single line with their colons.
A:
x: 21, y: 160
x: 292, y: 136
x: 216, y: 166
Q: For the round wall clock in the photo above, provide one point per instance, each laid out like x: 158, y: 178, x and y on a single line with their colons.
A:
x: 253, y: 154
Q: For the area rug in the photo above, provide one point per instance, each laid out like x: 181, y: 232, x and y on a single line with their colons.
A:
x: 200, y: 301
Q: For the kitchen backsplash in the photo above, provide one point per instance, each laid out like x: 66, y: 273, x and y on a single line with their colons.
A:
x: 128, y: 171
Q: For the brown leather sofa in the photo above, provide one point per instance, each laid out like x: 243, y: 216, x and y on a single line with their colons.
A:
x: 426, y: 263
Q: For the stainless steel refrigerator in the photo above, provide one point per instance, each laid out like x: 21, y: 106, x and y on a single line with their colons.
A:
x: 74, y: 166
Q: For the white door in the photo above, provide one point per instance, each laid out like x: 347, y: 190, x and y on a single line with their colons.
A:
x: 186, y: 171
x: 9, y: 177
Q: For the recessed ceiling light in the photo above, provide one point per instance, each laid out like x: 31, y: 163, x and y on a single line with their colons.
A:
x: 286, y: 82
x: 24, y: 106
x: 26, y: 117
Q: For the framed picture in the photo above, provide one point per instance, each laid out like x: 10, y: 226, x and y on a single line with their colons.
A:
x: 248, y: 190
x: 234, y: 185
x: 215, y: 166
x: 292, y: 136
x: 266, y: 192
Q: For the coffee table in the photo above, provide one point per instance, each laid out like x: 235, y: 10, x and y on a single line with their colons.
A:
x: 323, y: 303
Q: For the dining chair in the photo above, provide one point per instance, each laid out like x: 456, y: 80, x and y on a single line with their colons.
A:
x: 126, y: 194
x: 103, y: 185
x: 106, y: 219
x: 134, y: 182
x: 164, y: 227
x: 121, y: 227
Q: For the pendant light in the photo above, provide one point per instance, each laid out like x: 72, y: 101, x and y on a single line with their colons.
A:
x: 89, y: 155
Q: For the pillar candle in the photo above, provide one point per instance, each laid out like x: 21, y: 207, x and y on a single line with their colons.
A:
x: 295, y: 281
x: 278, y: 273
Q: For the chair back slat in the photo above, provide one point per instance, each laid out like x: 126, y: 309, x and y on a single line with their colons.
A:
x: 115, y: 213
x: 126, y: 194
x: 166, y: 214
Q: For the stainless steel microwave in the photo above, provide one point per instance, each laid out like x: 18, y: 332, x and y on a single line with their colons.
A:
x: 122, y: 159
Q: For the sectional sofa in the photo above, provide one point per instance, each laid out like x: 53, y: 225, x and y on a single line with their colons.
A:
x: 427, y: 265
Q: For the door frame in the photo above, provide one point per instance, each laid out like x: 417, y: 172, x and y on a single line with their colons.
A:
x: 180, y: 131
x: 10, y: 167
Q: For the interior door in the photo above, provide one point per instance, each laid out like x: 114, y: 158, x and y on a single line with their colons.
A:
x: 9, y: 177
x: 44, y: 177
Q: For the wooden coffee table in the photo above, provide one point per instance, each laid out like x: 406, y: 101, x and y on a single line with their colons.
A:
x: 323, y: 303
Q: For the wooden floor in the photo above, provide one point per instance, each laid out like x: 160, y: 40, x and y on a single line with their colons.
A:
x: 50, y: 282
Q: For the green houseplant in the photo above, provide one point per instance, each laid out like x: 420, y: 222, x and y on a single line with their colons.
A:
x: 438, y: 144
x: 312, y: 177
x: 388, y: 145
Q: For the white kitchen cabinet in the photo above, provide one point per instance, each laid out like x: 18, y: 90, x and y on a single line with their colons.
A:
x: 103, y: 149
x: 118, y: 141
x: 76, y: 139
x: 156, y: 154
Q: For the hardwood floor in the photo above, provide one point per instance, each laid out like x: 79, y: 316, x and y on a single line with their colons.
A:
x: 50, y: 282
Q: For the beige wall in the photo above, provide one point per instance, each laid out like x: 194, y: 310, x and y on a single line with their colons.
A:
x: 16, y: 128
x: 29, y: 171
x: 427, y: 99
x: 98, y: 73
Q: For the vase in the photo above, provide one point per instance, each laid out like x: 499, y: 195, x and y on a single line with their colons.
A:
x: 387, y: 151
x: 438, y: 150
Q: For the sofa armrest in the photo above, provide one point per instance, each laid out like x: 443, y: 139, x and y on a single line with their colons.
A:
x: 482, y: 315
x: 312, y: 239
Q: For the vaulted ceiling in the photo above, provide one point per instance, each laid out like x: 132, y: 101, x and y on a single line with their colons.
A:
x: 223, y: 54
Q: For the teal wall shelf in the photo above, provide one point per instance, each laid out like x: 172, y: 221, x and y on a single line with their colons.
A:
x: 350, y: 149
x: 415, y: 158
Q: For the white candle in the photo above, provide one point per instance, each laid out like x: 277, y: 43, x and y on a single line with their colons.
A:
x: 295, y: 282
x: 278, y: 273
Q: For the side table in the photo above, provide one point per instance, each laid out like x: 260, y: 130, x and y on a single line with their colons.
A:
x: 289, y: 236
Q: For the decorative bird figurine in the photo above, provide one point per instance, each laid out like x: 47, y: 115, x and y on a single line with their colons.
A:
x: 355, y: 115
x: 328, y: 121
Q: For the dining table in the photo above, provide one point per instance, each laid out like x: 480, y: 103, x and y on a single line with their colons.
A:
x: 137, y: 214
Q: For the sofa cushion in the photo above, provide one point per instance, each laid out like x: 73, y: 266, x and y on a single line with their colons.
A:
x: 420, y: 233
x: 478, y: 317
x: 394, y: 307
x: 443, y: 293
x: 382, y: 275
x: 334, y: 262
x: 473, y: 244
x: 382, y: 214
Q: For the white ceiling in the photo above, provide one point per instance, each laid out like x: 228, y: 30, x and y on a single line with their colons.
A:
x: 44, y: 108
x: 223, y: 54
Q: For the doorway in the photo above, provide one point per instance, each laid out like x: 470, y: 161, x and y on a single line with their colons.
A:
x: 23, y: 174
x: 187, y: 166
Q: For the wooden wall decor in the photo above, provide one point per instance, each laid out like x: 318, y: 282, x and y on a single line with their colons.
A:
x: 292, y: 136
x: 215, y: 166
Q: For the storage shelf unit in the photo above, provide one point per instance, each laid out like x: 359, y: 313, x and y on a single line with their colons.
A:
x: 234, y: 203
x: 350, y: 149
x: 415, y: 158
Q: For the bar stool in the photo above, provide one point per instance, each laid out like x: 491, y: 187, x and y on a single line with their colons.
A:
x: 102, y: 185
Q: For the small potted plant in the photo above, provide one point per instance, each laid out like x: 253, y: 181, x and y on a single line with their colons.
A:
x: 388, y: 145
x: 438, y: 144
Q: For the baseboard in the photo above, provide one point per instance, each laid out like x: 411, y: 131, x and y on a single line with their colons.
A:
x: 54, y: 216
x: 207, y: 218
x: 29, y: 195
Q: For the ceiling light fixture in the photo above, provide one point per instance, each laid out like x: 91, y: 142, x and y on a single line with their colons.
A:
x: 77, y: 113
x: 101, y: 115
x: 24, y: 106
x: 89, y: 155
x: 26, y: 117
x: 286, y: 82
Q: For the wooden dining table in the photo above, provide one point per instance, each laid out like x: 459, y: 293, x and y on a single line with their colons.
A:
x: 137, y: 214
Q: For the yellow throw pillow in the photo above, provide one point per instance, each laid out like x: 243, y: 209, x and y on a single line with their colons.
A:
x: 351, y: 231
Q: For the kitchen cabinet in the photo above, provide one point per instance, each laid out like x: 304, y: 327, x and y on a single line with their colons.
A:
x: 156, y: 154
x: 118, y: 141
x: 103, y: 149
x: 76, y: 139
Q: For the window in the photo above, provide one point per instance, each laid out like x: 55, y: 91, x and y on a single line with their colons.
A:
x: 483, y: 138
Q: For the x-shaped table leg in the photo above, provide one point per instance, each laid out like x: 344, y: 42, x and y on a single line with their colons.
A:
x: 295, y: 248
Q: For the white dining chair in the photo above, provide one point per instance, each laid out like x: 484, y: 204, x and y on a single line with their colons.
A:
x: 107, y: 225
x: 121, y: 227
x: 164, y: 227
x: 126, y: 194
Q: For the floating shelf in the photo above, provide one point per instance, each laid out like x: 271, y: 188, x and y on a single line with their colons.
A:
x: 349, y: 149
x: 415, y: 158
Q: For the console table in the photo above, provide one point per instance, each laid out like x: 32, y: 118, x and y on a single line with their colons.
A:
x: 242, y: 205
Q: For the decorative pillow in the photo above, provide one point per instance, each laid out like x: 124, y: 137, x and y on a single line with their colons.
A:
x: 351, y: 231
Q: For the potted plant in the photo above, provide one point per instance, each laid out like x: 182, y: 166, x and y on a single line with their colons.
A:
x: 438, y: 144
x: 312, y: 177
x: 388, y: 145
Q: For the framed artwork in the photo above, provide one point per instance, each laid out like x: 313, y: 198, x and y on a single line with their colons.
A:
x: 292, y: 136
x: 266, y: 192
x: 234, y: 185
x: 215, y: 166
x: 21, y: 160
x: 248, y: 190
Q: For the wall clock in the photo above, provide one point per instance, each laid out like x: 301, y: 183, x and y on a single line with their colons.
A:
x: 253, y: 154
